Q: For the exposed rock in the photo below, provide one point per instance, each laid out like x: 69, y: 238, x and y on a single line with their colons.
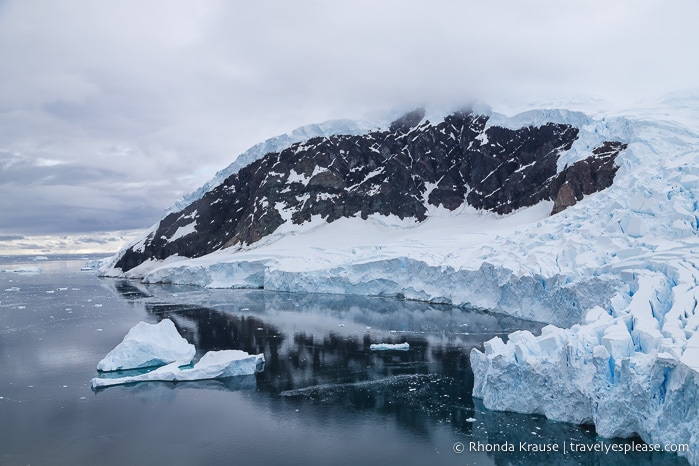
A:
x: 564, y: 199
x: 586, y: 176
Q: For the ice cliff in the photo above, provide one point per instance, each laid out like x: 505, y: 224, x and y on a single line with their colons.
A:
x: 618, y: 269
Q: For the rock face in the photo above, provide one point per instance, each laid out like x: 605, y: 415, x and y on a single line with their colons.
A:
x: 403, y: 171
x: 586, y: 176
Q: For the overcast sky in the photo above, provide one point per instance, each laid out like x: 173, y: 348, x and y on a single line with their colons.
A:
x: 110, y: 111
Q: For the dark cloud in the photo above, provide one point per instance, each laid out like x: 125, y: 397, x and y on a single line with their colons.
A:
x: 110, y: 111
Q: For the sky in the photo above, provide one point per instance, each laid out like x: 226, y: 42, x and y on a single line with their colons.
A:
x: 111, y: 111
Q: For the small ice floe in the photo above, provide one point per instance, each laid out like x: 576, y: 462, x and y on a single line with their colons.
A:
x: 149, y: 345
x: 213, y: 365
x: 12, y: 289
x: 23, y: 270
x: 390, y: 347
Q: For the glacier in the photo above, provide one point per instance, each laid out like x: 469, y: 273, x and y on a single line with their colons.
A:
x: 617, y: 276
x: 149, y: 345
x: 213, y: 365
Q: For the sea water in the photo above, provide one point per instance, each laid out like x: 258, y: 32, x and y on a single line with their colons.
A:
x: 324, y: 397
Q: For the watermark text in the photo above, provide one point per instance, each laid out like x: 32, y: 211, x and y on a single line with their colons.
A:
x: 569, y: 447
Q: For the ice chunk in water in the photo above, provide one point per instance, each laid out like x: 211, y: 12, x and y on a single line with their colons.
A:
x: 213, y: 365
x: 389, y: 346
x: 149, y: 345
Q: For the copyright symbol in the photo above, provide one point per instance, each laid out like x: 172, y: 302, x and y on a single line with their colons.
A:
x: 458, y: 447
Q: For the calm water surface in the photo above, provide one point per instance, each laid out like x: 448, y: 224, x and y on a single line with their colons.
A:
x: 324, y: 397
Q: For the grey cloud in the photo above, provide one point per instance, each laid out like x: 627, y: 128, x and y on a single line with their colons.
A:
x: 11, y: 237
x: 145, y: 101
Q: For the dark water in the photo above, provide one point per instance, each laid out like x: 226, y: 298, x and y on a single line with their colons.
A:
x: 324, y: 397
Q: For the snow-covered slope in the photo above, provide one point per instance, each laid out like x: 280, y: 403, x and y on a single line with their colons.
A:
x: 626, y: 259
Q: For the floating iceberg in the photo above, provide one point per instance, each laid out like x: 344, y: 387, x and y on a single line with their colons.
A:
x: 390, y: 347
x: 213, y: 365
x: 149, y: 345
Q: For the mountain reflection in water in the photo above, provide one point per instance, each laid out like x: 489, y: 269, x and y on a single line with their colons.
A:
x: 316, y: 347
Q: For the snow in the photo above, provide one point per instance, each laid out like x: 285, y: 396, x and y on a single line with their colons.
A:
x: 213, y: 365
x: 617, y: 274
x: 184, y: 231
x: 297, y: 178
x: 149, y: 345
x: 390, y: 347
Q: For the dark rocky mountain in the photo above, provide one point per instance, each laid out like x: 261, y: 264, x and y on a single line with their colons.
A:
x: 401, y: 171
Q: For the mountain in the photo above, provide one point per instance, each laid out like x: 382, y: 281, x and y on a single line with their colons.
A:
x: 587, y: 221
x: 402, y: 171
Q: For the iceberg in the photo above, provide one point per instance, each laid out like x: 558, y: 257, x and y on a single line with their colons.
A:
x: 95, y: 264
x: 149, y: 345
x: 213, y: 365
x: 390, y: 347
